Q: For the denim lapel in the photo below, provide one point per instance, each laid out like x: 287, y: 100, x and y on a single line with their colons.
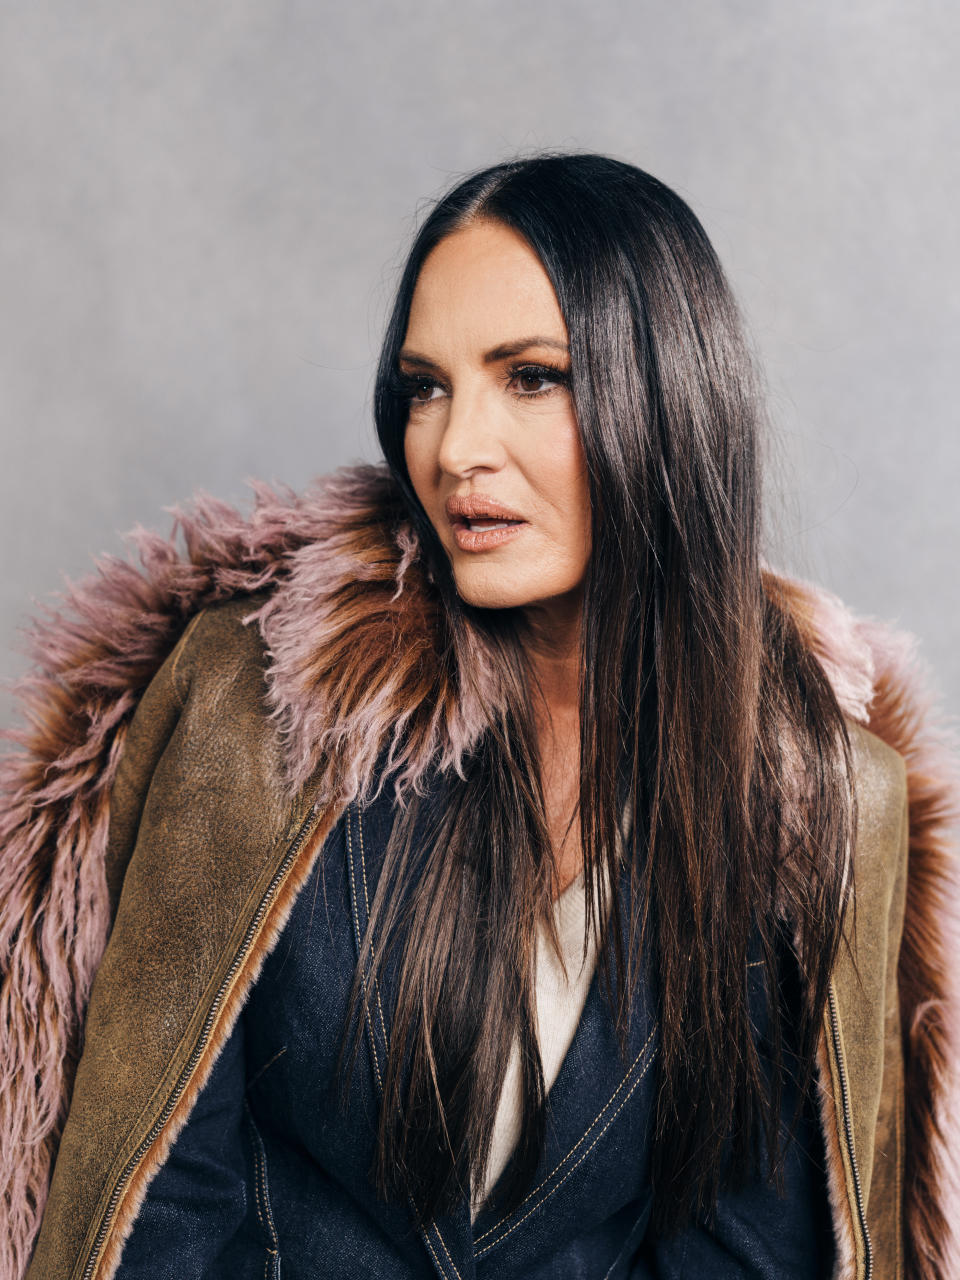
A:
x: 597, y: 1146
x: 448, y: 1237
x: 598, y: 1108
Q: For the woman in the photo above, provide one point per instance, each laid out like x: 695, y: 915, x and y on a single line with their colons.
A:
x: 463, y: 849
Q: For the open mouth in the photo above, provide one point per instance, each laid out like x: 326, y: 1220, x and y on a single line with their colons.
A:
x: 485, y: 533
x: 479, y: 525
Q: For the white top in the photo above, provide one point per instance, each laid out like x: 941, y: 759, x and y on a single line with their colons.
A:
x: 560, y: 999
x: 560, y: 1002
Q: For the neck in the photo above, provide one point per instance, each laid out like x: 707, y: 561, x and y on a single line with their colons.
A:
x: 552, y: 647
x: 551, y: 641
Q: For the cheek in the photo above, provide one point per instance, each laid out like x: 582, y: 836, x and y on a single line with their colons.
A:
x: 565, y: 471
x: 418, y: 465
x: 410, y: 455
x: 422, y: 470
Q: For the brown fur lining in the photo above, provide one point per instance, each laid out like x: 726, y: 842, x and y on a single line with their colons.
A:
x: 845, y: 1257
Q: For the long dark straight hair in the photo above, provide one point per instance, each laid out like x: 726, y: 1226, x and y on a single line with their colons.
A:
x: 697, y: 694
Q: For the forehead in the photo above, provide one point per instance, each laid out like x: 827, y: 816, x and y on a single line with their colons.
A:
x: 480, y: 286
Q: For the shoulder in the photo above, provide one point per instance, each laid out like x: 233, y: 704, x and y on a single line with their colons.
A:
x: 201, y: 751
x: 880, y: 788
x: 880, y: 772
x: 882, y: 686
x: 221, y: 650
x: 222, y: 762
x: 216, y: 677
x: 905, y: 753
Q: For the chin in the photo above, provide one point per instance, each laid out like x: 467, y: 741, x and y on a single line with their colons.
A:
x: 485, y: 591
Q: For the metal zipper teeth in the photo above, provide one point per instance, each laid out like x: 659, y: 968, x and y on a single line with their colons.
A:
x: 309, y: 823
x: 848, y: 1129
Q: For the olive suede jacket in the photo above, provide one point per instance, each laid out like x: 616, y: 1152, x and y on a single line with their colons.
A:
x: 199, y: 726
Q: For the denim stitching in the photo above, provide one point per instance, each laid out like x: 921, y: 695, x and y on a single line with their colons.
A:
x: 383, y: 1027
x: 586, y: 1134
x: 261, y: 1198
x: 433, y: 1253
x: 445, y: 1249
x: 256, y: 1189
x: 572, y: 1169
x: 262, y: 1193
x: 363, y: 973
x: 366, y: 900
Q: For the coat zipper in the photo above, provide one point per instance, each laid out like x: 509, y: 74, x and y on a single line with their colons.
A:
x: 848, y: 1131
x: 306, y: 828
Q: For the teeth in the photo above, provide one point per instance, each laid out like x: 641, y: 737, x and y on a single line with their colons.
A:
x: 477, y: 525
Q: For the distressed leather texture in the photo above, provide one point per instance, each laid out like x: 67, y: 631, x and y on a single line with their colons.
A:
x: 200, y: 820
x: 865, y: 982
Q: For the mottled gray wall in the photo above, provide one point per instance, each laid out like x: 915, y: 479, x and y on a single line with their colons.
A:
x: 203, y: 208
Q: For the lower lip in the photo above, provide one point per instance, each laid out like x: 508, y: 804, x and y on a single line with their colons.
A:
x: 468, y: 539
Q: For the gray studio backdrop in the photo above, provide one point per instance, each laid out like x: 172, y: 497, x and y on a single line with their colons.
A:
x: 203, y: 208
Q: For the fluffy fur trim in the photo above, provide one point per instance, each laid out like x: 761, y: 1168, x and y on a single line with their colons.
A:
x: 903, y: 714
x: 845, y: 1255
x: 364, y: 667
x: 93, y: 657
x: 881, y: 682
x: 363, y: 659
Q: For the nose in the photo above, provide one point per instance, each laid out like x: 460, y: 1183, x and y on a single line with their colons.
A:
x: 472, y: 439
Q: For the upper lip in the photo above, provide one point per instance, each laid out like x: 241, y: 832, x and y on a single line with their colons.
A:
x: 474, y: 506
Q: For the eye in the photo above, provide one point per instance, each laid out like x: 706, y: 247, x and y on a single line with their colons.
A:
x: 413, y: 389
x: 416, y: 390
x: 421, y: 390
x: 537, y: 380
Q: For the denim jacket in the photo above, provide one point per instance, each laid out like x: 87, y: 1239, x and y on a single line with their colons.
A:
x: 269, y: 1175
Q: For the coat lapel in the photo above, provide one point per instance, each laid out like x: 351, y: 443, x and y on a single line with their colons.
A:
x: 448, y: 1239
x: 599, y: 1106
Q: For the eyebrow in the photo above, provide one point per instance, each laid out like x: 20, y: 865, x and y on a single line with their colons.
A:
x: 501, y: 352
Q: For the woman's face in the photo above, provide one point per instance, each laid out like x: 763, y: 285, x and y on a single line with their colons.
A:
x: 492, y: 427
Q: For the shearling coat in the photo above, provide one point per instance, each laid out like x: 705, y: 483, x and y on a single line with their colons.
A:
x: 115, y: 826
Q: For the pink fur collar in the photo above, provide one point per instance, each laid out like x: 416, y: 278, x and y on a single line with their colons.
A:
x: 363, y: 655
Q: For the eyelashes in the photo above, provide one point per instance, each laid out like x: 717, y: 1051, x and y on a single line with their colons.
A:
x: 405, y: 386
